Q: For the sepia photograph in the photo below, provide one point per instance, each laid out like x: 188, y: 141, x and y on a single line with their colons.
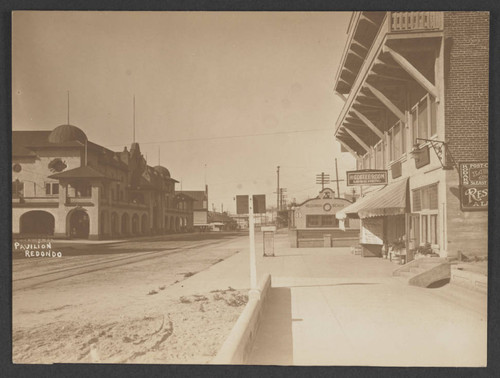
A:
x: 250, y: 188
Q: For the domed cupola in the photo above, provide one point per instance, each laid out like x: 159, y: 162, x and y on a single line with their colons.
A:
x: 67, y: 133
x: 162, y: 171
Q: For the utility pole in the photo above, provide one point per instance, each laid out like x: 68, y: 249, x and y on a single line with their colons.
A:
x: 321, y: 178
x: 282, y: 197
x: 337, y: 178
x: 254, y: 291
x: 278, y: 189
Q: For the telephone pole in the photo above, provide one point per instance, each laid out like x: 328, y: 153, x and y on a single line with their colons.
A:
x: 282, y: 197
x: 278, y: 189
x: 322, y: 178
x: 337, y: 178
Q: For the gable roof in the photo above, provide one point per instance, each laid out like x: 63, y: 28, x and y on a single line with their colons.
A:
x: 198, y: 196
x: 21, y: 140
x: 80, y: 172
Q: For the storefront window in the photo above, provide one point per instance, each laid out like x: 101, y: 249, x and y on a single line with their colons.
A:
x: 433, y: 229
x: 425, y: 232
x: 322, y: 221
x: 328, y: 220
x: 379, y: 156
x: 397, y: 141
x: 425, y: 201
x: 312, y: 220
x: 366, y: 161
x: 423, y: 118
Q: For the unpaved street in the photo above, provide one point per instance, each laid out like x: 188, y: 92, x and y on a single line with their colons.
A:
x: 110, y: 302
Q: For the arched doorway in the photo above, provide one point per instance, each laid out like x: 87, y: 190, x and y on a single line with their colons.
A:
x: 37, y: 222
x: 135, y: 224
x: 144, y: 224
x: 79, y: 224
x: 115, y: 230
x: 171, y: 224
x: 125, y: 224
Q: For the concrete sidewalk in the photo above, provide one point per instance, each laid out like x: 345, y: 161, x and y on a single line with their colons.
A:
x: 329, y: 307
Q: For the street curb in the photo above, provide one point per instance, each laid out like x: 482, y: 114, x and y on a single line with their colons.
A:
x: 238, y: 344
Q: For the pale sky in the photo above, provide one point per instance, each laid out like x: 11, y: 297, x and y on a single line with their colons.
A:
x: 207, y: 86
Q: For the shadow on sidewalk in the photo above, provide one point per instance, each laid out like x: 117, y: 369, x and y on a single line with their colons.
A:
x: 337, y: 284
x: 274, y: 341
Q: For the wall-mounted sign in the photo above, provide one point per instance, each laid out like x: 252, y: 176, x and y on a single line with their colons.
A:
x: 368, y: 177
x: 422, y: 157
x: 473, y: 186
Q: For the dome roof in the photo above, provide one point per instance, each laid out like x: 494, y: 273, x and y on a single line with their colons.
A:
x: 162, y: 170
x: 67, y: 133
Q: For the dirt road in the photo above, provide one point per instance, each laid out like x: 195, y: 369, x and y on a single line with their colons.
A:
x: 110, y: 303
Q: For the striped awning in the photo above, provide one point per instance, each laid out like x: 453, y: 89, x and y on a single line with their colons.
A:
x: 392, y: 199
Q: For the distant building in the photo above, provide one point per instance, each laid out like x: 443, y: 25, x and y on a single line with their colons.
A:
x: 312, y: 220
x: 415, y: 86
x: 221, y: 222
x: 65, y: 186
x: 200, y: 207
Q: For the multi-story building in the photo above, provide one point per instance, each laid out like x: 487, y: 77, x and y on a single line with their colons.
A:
x: 415, y: 86
x: 66, y: 186
x: 200, y: 207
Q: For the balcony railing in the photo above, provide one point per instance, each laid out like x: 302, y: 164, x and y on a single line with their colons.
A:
x: 35, y: 200
x: 78, y: 200
x: 415, y: 21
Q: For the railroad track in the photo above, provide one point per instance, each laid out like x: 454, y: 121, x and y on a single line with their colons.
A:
x: 30, y: 282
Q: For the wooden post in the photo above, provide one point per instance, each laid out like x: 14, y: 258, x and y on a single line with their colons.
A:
x: 254, y: 292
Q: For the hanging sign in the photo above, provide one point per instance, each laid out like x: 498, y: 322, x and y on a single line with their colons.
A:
x: 473, y: 186
x: 366, y: 178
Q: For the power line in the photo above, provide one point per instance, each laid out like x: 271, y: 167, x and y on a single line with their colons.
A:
x: 227, y: 137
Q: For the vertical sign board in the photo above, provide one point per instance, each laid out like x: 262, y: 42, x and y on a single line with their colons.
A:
x: 473, y: 186
x: 241, y: 204
x: 259, y: 204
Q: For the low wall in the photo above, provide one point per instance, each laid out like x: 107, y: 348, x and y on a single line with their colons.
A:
x: 437, y: 273
x: 469, y: 279
x: 311, y: 238
x: 238, y: 344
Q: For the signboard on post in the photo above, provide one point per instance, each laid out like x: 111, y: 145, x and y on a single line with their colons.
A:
x: 367, y: 177
x: 259, y: 204
x: 473, y: 186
